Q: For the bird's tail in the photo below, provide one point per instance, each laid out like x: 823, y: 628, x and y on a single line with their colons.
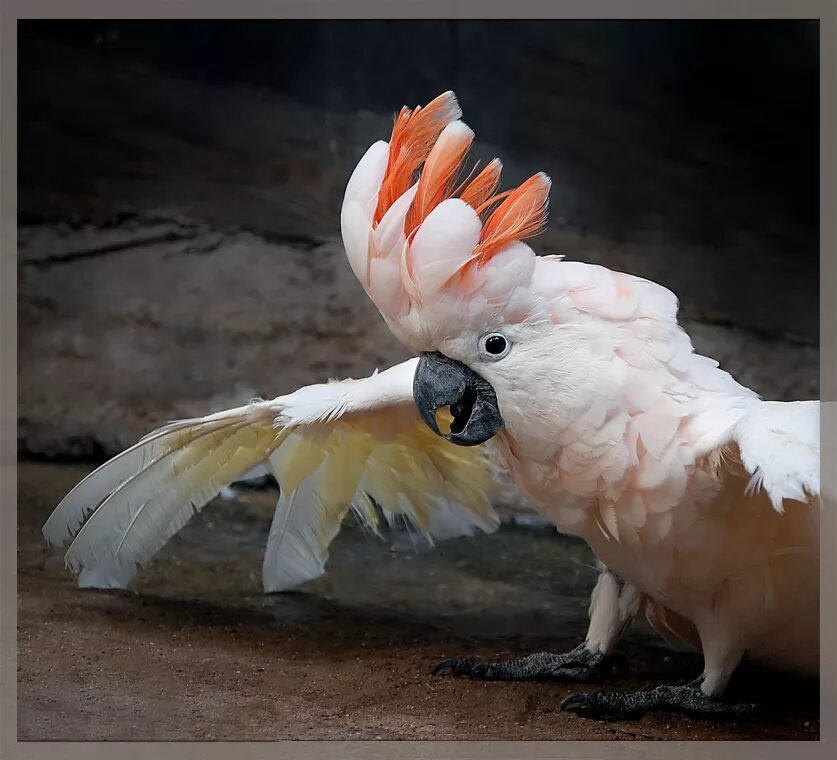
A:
x: 139, y: 499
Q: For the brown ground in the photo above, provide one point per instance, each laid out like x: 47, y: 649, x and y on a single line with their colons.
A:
x: 196, y: 652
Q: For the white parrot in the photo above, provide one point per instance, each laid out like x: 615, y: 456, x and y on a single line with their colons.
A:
x: 700, y: 501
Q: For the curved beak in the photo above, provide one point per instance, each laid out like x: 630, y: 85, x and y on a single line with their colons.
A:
x: 439, y: 382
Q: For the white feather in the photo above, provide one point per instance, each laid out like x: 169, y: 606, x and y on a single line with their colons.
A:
x: 142, y: 497
x: 780, y: 447
x: 326, y: 402
x: 140, y: 516
x: 445, y: 240
x: 300, y: 536
x: 89, y: 493
x: 362, y: 187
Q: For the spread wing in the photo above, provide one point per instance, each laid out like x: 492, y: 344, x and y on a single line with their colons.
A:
x: 353, y: 444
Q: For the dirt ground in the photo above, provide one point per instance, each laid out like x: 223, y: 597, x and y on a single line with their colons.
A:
x: 195, y: 651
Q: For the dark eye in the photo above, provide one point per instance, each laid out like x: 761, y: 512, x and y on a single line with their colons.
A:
x: 495, y: 345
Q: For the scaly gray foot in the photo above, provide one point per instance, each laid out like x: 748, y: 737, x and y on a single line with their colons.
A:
x: 624, y: 705
x: 580, y: 665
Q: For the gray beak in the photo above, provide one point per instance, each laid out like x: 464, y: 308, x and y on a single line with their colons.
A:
x: 440, y: 382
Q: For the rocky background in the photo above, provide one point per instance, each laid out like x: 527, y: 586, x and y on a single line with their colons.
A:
x: 180, y: 185
x: 179, y: 253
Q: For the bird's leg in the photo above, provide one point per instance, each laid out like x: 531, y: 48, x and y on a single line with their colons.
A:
x: 702, y: 697
x: 612, y: 607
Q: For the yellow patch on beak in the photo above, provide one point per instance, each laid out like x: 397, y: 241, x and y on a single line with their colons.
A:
x: 444, y: 419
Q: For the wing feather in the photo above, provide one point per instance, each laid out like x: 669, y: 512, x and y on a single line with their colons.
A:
x: 332, y: 447
x: 779, y: 444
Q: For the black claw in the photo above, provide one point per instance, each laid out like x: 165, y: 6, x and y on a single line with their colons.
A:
x: 444, y: 665
x: 574, y: 702
x: 459, y: 667
x: 594, y: 705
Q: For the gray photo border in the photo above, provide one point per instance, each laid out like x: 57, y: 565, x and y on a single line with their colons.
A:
x: 12, y: 10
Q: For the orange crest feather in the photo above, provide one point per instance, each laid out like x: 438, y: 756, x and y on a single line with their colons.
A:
x: 483, y: 186
x: 419, y: 141
x: 413, y: 136
x: 438, y: 175
x: 521, y: 215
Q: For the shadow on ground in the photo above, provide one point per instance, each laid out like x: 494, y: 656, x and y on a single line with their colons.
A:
x: 195, y: 651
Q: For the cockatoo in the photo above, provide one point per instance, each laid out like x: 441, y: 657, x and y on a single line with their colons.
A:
x: 699, y: 500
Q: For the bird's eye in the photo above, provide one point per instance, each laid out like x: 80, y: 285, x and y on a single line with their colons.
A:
x: 495, y: 345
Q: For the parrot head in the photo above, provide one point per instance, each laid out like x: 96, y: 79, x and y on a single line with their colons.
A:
x: 443, y: 259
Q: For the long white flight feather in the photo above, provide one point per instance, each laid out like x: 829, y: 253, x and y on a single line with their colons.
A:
x: 337, y: 446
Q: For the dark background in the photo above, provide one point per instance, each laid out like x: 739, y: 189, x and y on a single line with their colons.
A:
x: 684, y: 151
